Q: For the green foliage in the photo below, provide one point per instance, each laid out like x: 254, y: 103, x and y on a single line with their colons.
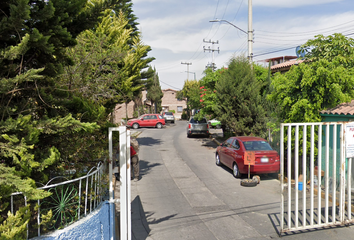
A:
x: 172, y: 111
x: 239, y: 102
x: 154, y: 92
x: 190, y: 92
x: 322, y: 82
x: 47, y: 123
x: 14, y: 227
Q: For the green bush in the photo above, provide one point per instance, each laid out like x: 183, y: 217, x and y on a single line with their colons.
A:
x: 172, y: 111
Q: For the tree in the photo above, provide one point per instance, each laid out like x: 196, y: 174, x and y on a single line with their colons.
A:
x: 154, y: 92
x: 208, y: 92
x: 323, y: 81
x: 34, y: 122
x: 239, y: 102
x: 190, y: 92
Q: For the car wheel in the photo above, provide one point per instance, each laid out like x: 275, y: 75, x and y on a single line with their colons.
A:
x: 135, y: 126
x: 249, y: 183
x: 236, y: 171
x: 173, y: 122
x: 159, y: 125
x: 188, y: 135
x: 217, y: 159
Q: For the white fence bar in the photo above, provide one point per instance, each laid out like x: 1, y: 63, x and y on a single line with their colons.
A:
x: 334, y: 182
x: 319, y: 175
x: 342, y: 178
x: 289, y: 177
x: 296, y: 176
x: 304, y: 164
x: 282, y: 180
x: 349, y: 189
x: 312, y: 183
x: 129, y: 170
x: 322, y: 162
x: 327, y: 174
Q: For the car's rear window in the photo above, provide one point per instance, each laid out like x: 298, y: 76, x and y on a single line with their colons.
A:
x: 196, y: 121
x: 257, y: 145
x: 168, y: 113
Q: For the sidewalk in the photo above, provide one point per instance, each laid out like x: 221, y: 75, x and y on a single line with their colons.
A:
x: 140, y: 228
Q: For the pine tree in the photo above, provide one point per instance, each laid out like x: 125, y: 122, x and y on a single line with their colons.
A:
x: 239, y: 102
x: 154, y: 92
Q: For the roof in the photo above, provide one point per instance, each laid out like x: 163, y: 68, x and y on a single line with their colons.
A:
x: 169, y: 89
x: 281, y: 58
x: 286, y: 64
x: 341, y: 109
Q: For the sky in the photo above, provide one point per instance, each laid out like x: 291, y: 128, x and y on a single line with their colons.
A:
x: 179, y: 31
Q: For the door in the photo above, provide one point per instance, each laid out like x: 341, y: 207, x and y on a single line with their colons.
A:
x: 153, y: 121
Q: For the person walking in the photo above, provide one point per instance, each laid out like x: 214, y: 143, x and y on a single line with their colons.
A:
x: 134, y: 158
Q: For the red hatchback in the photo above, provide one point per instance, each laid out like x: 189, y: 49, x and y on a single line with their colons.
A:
x: 147, y: 120
x: 231, y: 153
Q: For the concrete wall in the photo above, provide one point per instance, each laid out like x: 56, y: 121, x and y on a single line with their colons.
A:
x: 97, y: 225
x: 170, y: 102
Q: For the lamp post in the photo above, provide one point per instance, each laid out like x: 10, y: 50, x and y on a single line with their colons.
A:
x: 249, y: 33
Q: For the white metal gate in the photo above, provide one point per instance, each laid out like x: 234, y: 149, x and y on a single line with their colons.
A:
x: 316, y: 177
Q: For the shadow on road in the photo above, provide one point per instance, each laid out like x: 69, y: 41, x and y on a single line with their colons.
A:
x: 148, y: 141
x: 140, y: 227
x: 264, y: 177
x: 145, y: 166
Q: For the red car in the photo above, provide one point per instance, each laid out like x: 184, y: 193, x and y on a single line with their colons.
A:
x: 231, y: 153
x: 147, y: 120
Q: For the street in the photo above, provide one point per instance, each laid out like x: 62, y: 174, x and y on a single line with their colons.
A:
x: 182, y: 194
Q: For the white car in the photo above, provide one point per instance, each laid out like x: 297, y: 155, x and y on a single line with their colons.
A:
x: 169, y: 117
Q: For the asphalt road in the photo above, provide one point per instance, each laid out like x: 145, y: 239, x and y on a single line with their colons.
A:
x: 182, y: 194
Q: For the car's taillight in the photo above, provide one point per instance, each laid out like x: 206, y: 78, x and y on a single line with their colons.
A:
x: 208, y: 126
x: 189, y: 126
x: 277, y: 159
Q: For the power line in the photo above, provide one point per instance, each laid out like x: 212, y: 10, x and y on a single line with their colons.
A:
x: 170, y: 85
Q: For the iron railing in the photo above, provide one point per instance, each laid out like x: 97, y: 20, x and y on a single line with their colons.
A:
x: 70, y: 200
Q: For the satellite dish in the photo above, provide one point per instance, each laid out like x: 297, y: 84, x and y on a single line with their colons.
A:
x: 300, y: 52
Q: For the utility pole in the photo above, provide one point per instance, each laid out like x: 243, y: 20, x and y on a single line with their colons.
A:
x: 187, y: 68
x: 211, y: 50
x: 250, y: 32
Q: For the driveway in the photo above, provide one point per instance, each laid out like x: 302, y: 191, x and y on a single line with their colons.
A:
x: 182, y: 194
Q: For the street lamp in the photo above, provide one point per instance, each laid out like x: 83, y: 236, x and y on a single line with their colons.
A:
x: 249, y: 33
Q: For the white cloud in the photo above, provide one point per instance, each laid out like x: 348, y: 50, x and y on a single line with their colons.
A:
x: 291, y: 3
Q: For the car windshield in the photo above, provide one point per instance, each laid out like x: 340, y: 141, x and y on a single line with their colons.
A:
x: 257, y: 145
x: 196, y: 121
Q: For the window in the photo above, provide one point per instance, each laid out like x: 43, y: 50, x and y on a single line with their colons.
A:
x: 228, y: 142
x: 179, y: 109
x: 153, y: 117
x: 236, y: 145
x: 146, y: 117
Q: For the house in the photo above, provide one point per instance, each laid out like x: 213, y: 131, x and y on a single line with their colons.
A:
x: 170, y: 102
x: 121, y: 110
x: 343, y: 112
x: 282, y: 64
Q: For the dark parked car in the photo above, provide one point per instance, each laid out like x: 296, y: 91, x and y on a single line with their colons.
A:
x: 197, y: 127
x: 168, y: 116
x: 147, y: 120
x: 231, y: 153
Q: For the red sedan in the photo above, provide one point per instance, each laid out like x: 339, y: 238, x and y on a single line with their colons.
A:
x: 231, y: 153
x: 147, y: 120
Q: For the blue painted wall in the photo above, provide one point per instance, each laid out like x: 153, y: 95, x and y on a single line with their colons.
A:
x: 97, y: 225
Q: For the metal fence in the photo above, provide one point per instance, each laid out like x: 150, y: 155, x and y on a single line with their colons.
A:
x: 316, y: 177
x: 70, y: 200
